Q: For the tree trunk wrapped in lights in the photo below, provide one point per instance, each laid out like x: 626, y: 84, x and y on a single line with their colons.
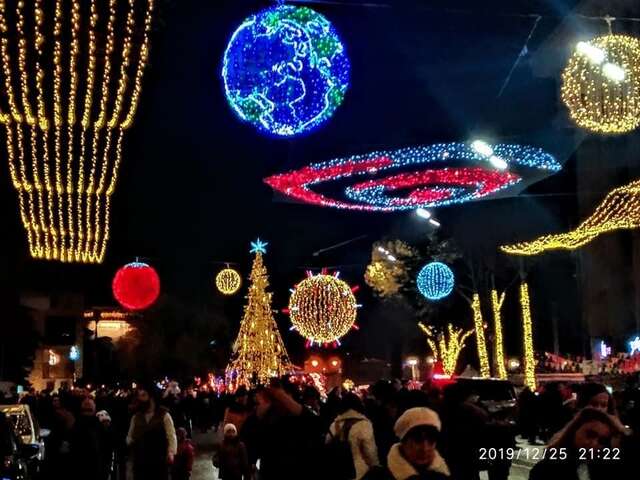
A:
x: 446, y: 349
x: 259, y: 352
x: 498, y: 342
x: 478, y: 322
x: 527, y: 331
x: 71, y: 89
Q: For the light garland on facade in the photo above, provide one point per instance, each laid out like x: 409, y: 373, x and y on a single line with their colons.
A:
x: 598, y: 100
x: 478, y: 323
x: 228, y: 281
x: 322, y: 308
x: 285, y: 70
x: 446, y: 347
x: 63, y: 160
x: 259, y: 353
x: 527, y: 330
x: 620, y: 210
x: 496, y: 304
x: 435, y: 281
x: 439, y: 185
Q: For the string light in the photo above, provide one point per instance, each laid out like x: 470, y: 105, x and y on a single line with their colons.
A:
x: 605, y: 350
x: 438, y: 186
x: 387, y: 271
x: 285, y: 70
x: 64, y: 201
x: 634, y: 345
x: 604, y: 97
x: 258, y: 352
x: 527, y: 330
x: 435, y: 281
x: 136, y: 286
x: 620, y: 210
x: 496, y: 304
x: 322, y: 308
x: 478, y: 323
x: 228, y: 281
x: 446, y: 347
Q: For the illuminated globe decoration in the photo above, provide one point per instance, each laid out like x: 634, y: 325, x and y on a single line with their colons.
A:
x: 435, y: 281
x: 285, y: 70
x: 418, y: 177
x: 323, y: 309
x: 136, y: 286
x: 228, y: 281
x: 601, y: 84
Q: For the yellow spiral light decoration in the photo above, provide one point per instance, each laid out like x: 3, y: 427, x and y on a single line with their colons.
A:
x: 601, y: 84
x: 70, y: 91
x: 322, y: 308
x: 228, y: 281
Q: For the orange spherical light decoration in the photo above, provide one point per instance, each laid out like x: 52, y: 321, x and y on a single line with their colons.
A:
x: 322, y: 308
x: 136, y: 286
x: 228, y: 281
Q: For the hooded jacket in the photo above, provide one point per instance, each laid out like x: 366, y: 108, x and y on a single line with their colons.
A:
x: 361, y: 441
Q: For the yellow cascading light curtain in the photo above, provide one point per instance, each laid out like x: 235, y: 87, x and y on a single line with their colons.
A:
x: 72, y: 75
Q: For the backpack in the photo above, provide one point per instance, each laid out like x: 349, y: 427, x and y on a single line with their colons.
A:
x: 339, y: 455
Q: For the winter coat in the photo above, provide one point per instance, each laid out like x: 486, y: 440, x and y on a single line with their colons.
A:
x: 183, y: 461
x: 398, y: 468
x: 361, y: 440
x: 232, y: 460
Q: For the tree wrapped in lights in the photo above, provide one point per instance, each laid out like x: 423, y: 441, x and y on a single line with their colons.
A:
x: 601, y: 84
x: 498, y: 343
x: 388, y: 269
x: 478, y: 323
x: 71, y: 90
x: 258, y: 352
x: 620, y: 210
x: 446, y: 349
x: 527, y: 331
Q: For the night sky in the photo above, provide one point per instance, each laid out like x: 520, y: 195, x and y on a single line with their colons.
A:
x: 191, y: 195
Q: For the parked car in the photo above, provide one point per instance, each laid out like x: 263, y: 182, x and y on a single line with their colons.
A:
x: 15, y: 456
x: 31, y: 437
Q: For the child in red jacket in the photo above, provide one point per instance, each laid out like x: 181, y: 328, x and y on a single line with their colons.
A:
x: 183, y: 461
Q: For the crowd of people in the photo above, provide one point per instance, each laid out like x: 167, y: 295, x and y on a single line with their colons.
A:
x: 287, y: 431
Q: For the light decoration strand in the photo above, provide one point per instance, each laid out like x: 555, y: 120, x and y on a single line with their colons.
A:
x: 478, y: 323
x: 285, y: 70
x: 435, y: 281
x: 258, y: 352
x: 323, y: 309
x: 620, y: 210
x: 601, y: 84
x: 64, y: 201
x: 527, y: 332
x: 435, y: 181
x: 228, y: 281
x: 446, y: 346
x: 497, y: 300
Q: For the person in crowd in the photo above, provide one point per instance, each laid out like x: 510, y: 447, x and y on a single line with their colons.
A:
x: 354, y: 429
x: 183, y: 462
x: 416, y: 456
x: 6, y: 445
x: 151, y: 436
x: 595, y: 395
x: 90, y: 449
x: 581, y: 439
x: 528, y: 411
x: 558, y: 404
x: 58, y: 442
x: 382, y: 410
x: 232, y: 459
x: 238, y: 411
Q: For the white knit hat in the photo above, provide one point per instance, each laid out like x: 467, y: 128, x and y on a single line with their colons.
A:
x: 415, y: 417
x: 230, y: 427
x: 103, y: 416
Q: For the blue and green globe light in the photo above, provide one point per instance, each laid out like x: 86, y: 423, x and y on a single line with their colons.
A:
x: 285, y: 70
x: 435, y: 281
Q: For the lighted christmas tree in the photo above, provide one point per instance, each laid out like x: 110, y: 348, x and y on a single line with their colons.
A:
x: 258, y: 352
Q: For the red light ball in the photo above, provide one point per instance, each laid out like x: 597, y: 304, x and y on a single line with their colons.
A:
x: 136, y: 286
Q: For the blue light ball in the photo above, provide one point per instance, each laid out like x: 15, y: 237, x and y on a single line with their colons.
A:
x: 285, y: 70
x: 435, y: 281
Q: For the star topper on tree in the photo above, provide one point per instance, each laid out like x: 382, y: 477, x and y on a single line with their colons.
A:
x: 259, y: 246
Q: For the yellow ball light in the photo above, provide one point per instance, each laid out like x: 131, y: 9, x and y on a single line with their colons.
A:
x: 601, y: 84
x: 228, y: 281
x: 322, y: 308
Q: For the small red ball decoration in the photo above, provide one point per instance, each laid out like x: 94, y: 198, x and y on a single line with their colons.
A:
x: 136, y: 286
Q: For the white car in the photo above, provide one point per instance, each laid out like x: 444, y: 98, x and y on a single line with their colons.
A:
x: 26, y: 427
